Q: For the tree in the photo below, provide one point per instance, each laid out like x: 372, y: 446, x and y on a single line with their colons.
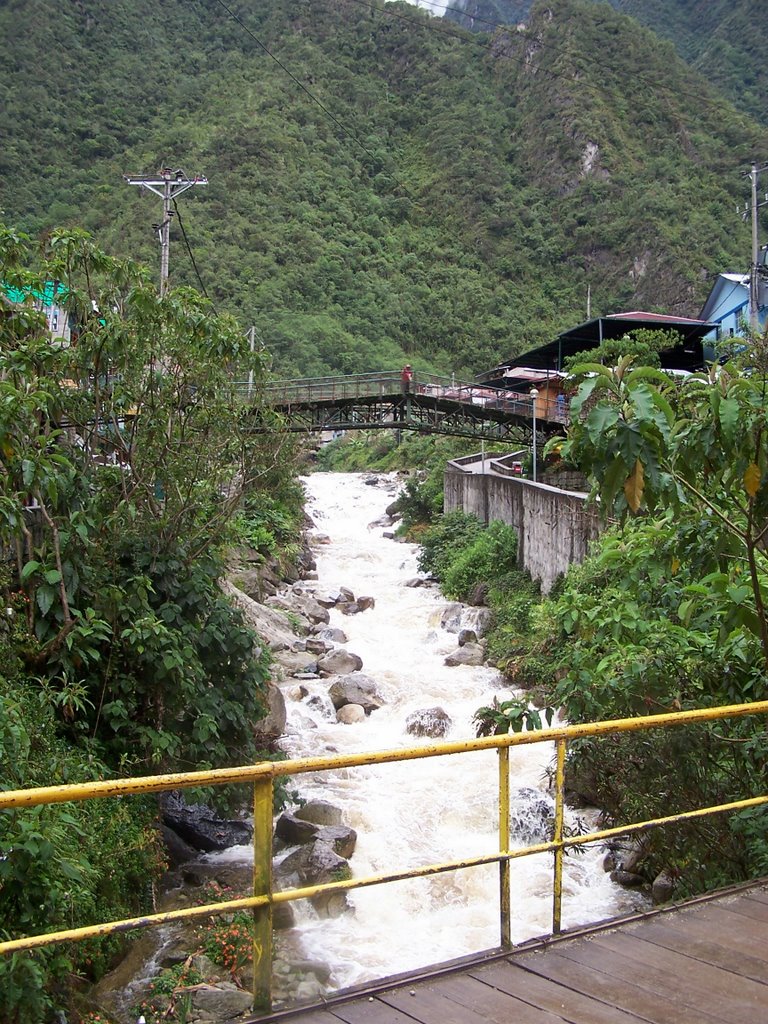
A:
x: 123, y: 458
x: 697, y: 447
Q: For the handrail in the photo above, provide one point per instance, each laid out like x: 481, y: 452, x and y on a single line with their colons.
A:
x: 381, y: 383
x: 263, y: 774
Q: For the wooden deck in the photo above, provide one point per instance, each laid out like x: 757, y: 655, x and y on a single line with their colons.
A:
x: 704, y: 962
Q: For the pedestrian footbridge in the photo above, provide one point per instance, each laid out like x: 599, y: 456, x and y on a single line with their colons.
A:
x: 431, y: 405
x: 705, y: 963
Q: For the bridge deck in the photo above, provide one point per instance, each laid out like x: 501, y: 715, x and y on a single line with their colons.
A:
x: 703, y: 963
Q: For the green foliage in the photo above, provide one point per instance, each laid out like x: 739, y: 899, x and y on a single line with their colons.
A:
x: 63, y: 864
x: 643, y: 345
x: 123, y: 460
x: 441, y: 542
x: 513, y: 715
x: 467, y: 223
x: 489, y: 556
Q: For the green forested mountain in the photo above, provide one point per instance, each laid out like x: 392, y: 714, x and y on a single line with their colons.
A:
x: 440, y: 195
x: 723, y: 39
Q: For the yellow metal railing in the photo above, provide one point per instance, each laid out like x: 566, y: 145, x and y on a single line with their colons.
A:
x: 262, y: 777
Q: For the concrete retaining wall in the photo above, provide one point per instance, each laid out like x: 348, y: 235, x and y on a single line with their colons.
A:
x: 553, y: 526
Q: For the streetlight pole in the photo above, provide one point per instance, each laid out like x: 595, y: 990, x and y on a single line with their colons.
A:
x: 534, y: 396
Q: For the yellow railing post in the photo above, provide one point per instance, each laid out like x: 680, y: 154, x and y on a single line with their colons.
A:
x: 504, y: 867
x: 262, y: 885
x: 557, y: 892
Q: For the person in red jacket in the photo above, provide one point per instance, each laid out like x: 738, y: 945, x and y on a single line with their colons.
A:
x: 406, y: 377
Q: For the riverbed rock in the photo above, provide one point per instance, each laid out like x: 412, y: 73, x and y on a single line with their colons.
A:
x: 350, y: 714
x: 201, y: 827
x: 467, y: 636
x: 450, y: 619
x: 311, y: 609
x: 222, y: 1002
x: 356, y: 688
x: 416, y: 581
x: 315, y: 645
x: 321, y: 812
x: 469, y: 654
x: 269, y: 729
x: 341, y: 838
x: 294, y: 663
x: 295, y: 831
x: 364, y: 603
x: 271, y: 625
x: 478, y: 619
x: 312, y: 864
x: 434, y: 722
x: 628, y: 879
x: 663, y: 887
x: 333, y: 634
x: 339, y: 662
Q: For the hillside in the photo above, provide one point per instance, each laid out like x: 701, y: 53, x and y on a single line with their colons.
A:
x: 452, y: 202
x: 723, y: 39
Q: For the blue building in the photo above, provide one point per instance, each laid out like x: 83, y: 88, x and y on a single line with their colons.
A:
x: 727, y: 305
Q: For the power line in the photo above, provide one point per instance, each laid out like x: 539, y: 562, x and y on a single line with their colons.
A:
x: 192, y: 255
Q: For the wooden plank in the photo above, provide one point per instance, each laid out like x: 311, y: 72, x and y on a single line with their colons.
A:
x: 702, y: 945
x: 757, y: 894
x: 755, y: 910
x: 735, y: 929
x: 425, y: 1004
x: 726, y: 996
x: 619, y: 992
x: 492, y: 1004
x: 696, y: 989
x: 572, y: 1006
x: 368, y: 1010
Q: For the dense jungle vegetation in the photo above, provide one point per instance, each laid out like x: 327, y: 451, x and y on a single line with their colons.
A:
x: 719, y: 38
x: 127, y: 464
x: 668, y: 613
x: 453, y: 203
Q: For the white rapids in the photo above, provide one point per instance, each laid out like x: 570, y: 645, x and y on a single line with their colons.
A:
x: 424, y: 811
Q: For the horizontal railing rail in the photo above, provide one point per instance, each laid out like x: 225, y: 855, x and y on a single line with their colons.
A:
x: 263, y: 775
x: 303, y: 390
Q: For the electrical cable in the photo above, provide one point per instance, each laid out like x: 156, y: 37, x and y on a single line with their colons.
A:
x: 192, y: 255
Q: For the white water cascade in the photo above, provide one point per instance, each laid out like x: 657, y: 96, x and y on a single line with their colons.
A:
x: 423, y: 811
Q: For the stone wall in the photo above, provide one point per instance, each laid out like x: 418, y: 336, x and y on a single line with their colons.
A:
x: 553, y: 526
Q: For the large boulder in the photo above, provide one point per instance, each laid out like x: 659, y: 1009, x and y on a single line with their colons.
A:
x: 221, y: 1002
x: 450, y: 618
x: 271, y: 625
x: 272, y: 726
x: 356, y: 688
x: 201, y: 827
x: 341, y: 838
x: 434, y: 722
x: 332, y: 634
x: 321, y: 812
x: 312, y: 864
x: 339, y: 662
x: 295, y: 831
x: 469, y: 654
x: 350, y: 714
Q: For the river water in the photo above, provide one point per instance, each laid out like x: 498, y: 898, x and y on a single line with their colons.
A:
x: 424, y: 811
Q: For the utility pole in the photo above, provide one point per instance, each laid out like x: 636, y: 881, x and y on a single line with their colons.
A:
x: 754, y: 269
x: 168, y: 185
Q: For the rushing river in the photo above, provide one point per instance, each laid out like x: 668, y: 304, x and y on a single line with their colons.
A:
x: 423, y: 811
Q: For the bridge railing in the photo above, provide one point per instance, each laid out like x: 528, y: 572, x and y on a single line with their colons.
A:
x: 262, y: 777
x: 304, y: 390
